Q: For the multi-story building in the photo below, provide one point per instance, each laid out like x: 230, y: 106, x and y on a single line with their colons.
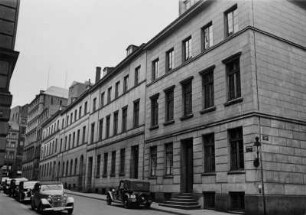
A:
x: 45, y: 104
x: 222, y: 74
x: 15, y: 141
x: 8, y: 58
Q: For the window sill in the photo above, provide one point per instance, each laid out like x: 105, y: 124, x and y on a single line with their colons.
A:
x: 236, y: 172
x: 207, y: 110
x: 208, y: 174
x: 169, y: 122
x: 152, y: 177
x: 233, y: 101
x: 168, y: 176
x: 186, y: 117
x: 154, y: 127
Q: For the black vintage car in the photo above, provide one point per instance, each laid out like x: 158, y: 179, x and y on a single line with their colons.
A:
x: 131, y: 193
x: 24, y: 191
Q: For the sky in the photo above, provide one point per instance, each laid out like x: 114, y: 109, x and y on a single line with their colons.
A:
x: 61, y: 41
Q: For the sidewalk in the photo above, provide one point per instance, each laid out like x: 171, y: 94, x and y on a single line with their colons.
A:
x: 154, y: 205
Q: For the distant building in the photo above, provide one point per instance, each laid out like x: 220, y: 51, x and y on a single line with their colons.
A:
x: 8, y: 58
x: 45, y: 104
x: 15, y: 141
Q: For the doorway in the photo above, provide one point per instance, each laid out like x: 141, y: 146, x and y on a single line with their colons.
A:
x: 187, y: 166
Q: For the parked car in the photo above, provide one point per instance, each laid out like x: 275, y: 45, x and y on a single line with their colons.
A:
x: 14, y: 186
x: 50, y: 196
x: 24, y: 192
x: 6, y: 185
x: 131, y: 193
x: 3, y: 182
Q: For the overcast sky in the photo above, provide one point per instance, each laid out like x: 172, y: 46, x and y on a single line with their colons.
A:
x: 69, y: 38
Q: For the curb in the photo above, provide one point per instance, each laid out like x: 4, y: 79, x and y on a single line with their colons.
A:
x: 152, y: 208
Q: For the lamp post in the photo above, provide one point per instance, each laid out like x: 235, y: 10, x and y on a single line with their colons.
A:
x: 257, y: 162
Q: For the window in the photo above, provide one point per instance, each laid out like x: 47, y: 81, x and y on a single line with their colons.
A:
x: 153, y: 160
x: 236, y: 148
x: 63, y: 123
x: 124, y: 118
x: 107, y: 126
x: 78, y: 137
x: 122, y: 162
x: 94, y: 103
x: 125, y: 83
x: 237, y: 200
x: 61, y: 145
x: 233, y: 76
x: 187, y: 49
x: 169, y: 104
x: 231, y: 21
x: 73, y: 139
x: 207, y: 36
x: 75, y: 166
x: 80, y: 112
x: 117, y: 89
x: 71, y: 118
x: 208, y: 87
x: 209, y: 200
x: 98, y: 166
x: 102, y: 99
x: 109, y: 96
x: 169, y: 158
x: 209, y: 153
x: 69, y: 141
x: 84, y: 132
x: 187, y: 97
x: 105, y: 164
x: 67, y: 120
x: 92, y: 132
x: 100, y: 129
x: 75, y: 114
x: 154, y: 111
x: 85, y: 108
x: 136, y: 114
x: 113, y: 169
x: 136, y: 77
x: 134, y: 161
x: 115, y: 123
x: 169, y: 60
x: 155, y: 69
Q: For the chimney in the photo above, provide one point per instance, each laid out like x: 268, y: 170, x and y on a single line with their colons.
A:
x: 98, y: 73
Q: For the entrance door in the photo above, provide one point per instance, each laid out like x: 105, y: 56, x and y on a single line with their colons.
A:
x: 187, y: 166
x: 89, y: 175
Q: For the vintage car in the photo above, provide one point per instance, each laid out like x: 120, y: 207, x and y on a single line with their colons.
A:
x: 50, y: 196
x: 3, y: 179
x: 14, y: 186
x: 24, y: 191
x: 6, y: 186
x: 131, y: 193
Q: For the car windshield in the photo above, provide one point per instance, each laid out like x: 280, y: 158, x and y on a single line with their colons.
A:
x: 29, y: 184
x: 139, y: 186
x: 51, y: 187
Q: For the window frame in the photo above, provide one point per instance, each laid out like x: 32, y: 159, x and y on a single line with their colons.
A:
x: 170, y: 60
x: 153, y: 154
x: 187, y: 96
x: 232, y: 11
x: 154, y: 110
x: 187, y: 54
x: 169, y: 152
x: 208, y: 82
x: 209, y: 27
x: 209, y: 153
x: 236, y: 144
x: 155, y: 69
x: 136, y: 109
x: 169, y: 104
x: 126, y: 84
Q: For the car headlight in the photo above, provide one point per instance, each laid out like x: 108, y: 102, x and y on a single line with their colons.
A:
x: 133, y: 196
x: 65, y: 197
x: 49, y: 198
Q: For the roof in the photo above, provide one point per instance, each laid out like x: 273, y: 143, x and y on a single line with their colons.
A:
x: 57, y: 91
x: 49, y: 182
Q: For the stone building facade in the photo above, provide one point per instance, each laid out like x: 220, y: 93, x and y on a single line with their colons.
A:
x: 45, y: 104
x: 220, y: 75
x: 8, y: 58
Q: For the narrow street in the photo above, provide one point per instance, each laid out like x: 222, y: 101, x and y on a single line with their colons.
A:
x: 83, y: 206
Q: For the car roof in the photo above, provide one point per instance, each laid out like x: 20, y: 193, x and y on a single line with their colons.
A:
x: 49, y: 182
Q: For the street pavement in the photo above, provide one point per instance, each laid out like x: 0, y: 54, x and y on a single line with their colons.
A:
x: 83, y: 206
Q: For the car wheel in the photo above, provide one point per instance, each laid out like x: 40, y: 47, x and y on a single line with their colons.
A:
x: 40, y: 209
x: 108, y: 200
x: 126, y: 203
x: 70, y: 211
x: 148, y: 205
x: 32, y: 204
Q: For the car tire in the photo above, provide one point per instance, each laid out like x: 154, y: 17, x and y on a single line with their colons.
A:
x: 108, y: 200
x: 32, y: 205
x: 148, y: 205
x: 70, y: 211
x: 40, y: 209
x: 126, y: 203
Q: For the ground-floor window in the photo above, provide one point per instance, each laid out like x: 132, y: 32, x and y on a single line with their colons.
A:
x: 209, y: 200
x: 237, y: 200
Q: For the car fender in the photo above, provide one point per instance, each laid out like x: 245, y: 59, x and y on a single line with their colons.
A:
x: 111, y: 195
x: 70, y: 199
x: 44, y: 202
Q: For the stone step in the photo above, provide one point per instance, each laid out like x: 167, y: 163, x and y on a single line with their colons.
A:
x: 184, y: 207
x: 180, y: 202
x: 182, y: 199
